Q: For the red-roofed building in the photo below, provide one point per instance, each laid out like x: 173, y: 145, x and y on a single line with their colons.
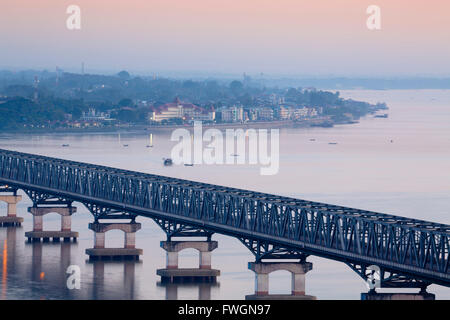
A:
x: 180, y: 110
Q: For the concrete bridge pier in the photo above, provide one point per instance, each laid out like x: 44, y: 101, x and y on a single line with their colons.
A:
x: 11, y: 218
x: 262, y: 271
x: 65, y: 233
x: 174, y: 274
x: 129, y: 250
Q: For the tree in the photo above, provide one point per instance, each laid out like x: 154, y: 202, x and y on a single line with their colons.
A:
x: 123, y: 75
x: 127, y: 115
x: 189, y: 84
x: 236, y: 87
x: 125, y: 102
x: 292, y: 94
x: 246, y: 99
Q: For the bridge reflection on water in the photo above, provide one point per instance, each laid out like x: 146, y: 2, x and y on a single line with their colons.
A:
x: 44, y: 275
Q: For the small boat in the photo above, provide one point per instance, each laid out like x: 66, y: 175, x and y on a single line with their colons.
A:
x: 151, y: 141
x: 188, y: 164
x: 234, y: 155
x: 125, y: 145
x: 332, y: 142
x: 312, y: 139
x: 381, y: 115
x: 65, y: 145
x: 167, y: 162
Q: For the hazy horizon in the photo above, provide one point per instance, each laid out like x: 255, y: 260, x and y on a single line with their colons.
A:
x: 283, y: 38
x: 201, y: 74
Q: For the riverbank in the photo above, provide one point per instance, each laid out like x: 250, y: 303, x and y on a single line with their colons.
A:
x: 319, y: 122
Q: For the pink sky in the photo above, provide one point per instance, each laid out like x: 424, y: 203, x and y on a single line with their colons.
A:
x: 283, y: 36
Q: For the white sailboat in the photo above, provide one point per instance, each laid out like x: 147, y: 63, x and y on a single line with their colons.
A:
x: 120, y: 142
x: 151, y: 141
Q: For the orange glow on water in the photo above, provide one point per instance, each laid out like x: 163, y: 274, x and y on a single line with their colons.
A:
x: 42, y: 275
x: 4, y: 269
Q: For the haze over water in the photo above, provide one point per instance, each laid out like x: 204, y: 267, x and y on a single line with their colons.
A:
x: 409, y: 176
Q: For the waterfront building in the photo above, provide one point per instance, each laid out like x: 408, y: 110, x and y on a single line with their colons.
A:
x: 265, y: 113
x: 296, y: 113
x: 181, y: 110
x: 232, y: 114
x: 93, y: 115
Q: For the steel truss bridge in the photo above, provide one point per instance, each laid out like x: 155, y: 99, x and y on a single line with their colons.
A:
x: 409, y: 252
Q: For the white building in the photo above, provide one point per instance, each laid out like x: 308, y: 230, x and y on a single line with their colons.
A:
x: 93, y: 115
x: 233, y: 114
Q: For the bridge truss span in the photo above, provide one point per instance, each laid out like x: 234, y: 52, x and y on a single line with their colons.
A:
x: 409, y: 252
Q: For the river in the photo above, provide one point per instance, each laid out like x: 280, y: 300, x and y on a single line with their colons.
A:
x: 398, y: 165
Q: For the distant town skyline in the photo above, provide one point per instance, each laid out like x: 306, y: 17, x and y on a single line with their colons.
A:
x: 286, y: 37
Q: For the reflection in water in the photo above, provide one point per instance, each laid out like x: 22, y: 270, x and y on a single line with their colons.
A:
x: 8, y: 257
x: 36, y: 262
x: 128, y: 278
x: 4, y: 269
x: 45, y: 273
x: 98, y: 279
x: 41, y: 274
x: 65, y: 256
x: 204, y: 289
x: 99, y: 290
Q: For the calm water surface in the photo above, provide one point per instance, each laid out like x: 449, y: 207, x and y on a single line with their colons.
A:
x: 408, y: 177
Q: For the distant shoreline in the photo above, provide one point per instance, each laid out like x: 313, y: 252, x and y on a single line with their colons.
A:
x: 162, y: 128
